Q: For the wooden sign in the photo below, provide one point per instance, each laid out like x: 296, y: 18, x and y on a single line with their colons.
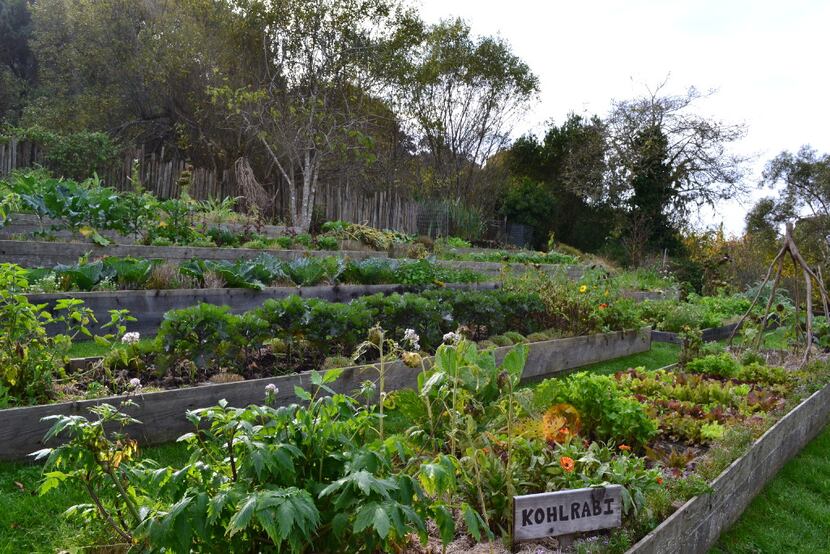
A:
x: 552, y: 514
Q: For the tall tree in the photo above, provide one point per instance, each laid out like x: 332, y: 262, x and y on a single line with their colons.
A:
x: 461, y: 95
x: 569, y: 163
x: 701, y: 170
x: 140, y: 71
x: 319, y: 61
x: 18, y: 68
x: 804, y: 179
x: 665, y: 160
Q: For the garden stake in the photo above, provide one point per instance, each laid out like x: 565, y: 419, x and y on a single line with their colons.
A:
x: 789, y: 247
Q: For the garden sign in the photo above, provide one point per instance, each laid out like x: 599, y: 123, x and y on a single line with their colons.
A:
x: 553, y: 514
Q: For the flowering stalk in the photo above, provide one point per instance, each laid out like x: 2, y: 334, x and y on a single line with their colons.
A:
x: 382, y: 383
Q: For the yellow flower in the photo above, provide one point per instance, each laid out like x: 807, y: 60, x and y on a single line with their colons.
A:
x: 583, y: 288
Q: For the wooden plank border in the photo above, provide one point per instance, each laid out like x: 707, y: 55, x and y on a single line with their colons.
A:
x: 709, y: 335
x: 23, y: 223
x: 149, y: 306
x: 31, y: 253
x: 573, y: 272
x: 163, y: 413
x: 696, y: 526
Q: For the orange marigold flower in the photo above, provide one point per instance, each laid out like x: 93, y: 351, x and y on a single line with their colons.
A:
x: 603, y: 306
x: 625, y: 448
x: 567, y: 463
x: 659, y: 480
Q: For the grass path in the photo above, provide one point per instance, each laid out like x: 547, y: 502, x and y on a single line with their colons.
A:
x: 792, y: 513
x: 32, y: 523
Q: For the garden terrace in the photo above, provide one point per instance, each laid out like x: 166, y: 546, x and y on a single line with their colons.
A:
x: 22, y: 226
x: 293, y: 334
x: 40, y: 253
x: 112, y: 273
x: 162, y: 411
x: 581, y: 430
x: 150, y: 306
x: 101, y: 214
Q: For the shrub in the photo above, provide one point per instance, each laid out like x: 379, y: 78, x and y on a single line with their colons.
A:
x: 517, y: 338
x: 257, y: 244
x: 761, y: 373
x: 204, y: 334
x: 284, y: 242
x: 223, y: 236
x: 209, y: 336
x: 259, y: 479
x: 607, y: 413
x: 719, y: 365
x: 398, y: 312
x: 304, y: 240
x: 327, y: 243
x: 501, y: 340
x: 456, y: 242
x: 28, y: 357
x: 750, y: 357
x: 371, y: 271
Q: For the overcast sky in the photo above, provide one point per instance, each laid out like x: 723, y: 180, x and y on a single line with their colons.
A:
x: 768, y: 61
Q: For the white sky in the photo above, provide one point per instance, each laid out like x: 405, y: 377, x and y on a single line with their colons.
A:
x: 767, y: 60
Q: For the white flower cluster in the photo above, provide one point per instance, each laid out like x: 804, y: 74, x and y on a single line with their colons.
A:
x: 271, y: 389
x: 131, y: 338
x: 452, y: 338
x: 135, y: 383
x: 411, y: 337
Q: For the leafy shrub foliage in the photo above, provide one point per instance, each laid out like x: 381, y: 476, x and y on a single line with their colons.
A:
x: 608, y: 412
x: 263, y: 271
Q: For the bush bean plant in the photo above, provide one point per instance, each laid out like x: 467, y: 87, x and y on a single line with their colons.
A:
x: 30, y: 358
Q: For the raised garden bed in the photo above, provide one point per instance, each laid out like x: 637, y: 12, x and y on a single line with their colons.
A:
x: 29, y: 223
x: 27, y: 227
x: 44, y: 253
x: 574, y: 272
x: 696, y: 526
x: 711, y: 334
x: 163, y: 413
x: 641, y: 295
x: 149, y: 306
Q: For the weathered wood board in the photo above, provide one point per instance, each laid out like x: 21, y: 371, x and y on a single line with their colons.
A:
x: 31, y: 253
x: 696, y: 526
x: 573, y: 272
x: 552, y: 514
x: 711, y: 334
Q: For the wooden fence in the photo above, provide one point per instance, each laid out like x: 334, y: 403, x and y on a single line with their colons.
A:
x: 384, y: 209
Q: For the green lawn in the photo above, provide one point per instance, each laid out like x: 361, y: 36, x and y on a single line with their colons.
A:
x: 660, y: 355
x: 32, y: 523
x: 792, y: 513
x: 89, y: 349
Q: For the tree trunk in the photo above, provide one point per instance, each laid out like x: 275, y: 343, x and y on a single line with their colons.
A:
x: 311, y: 166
